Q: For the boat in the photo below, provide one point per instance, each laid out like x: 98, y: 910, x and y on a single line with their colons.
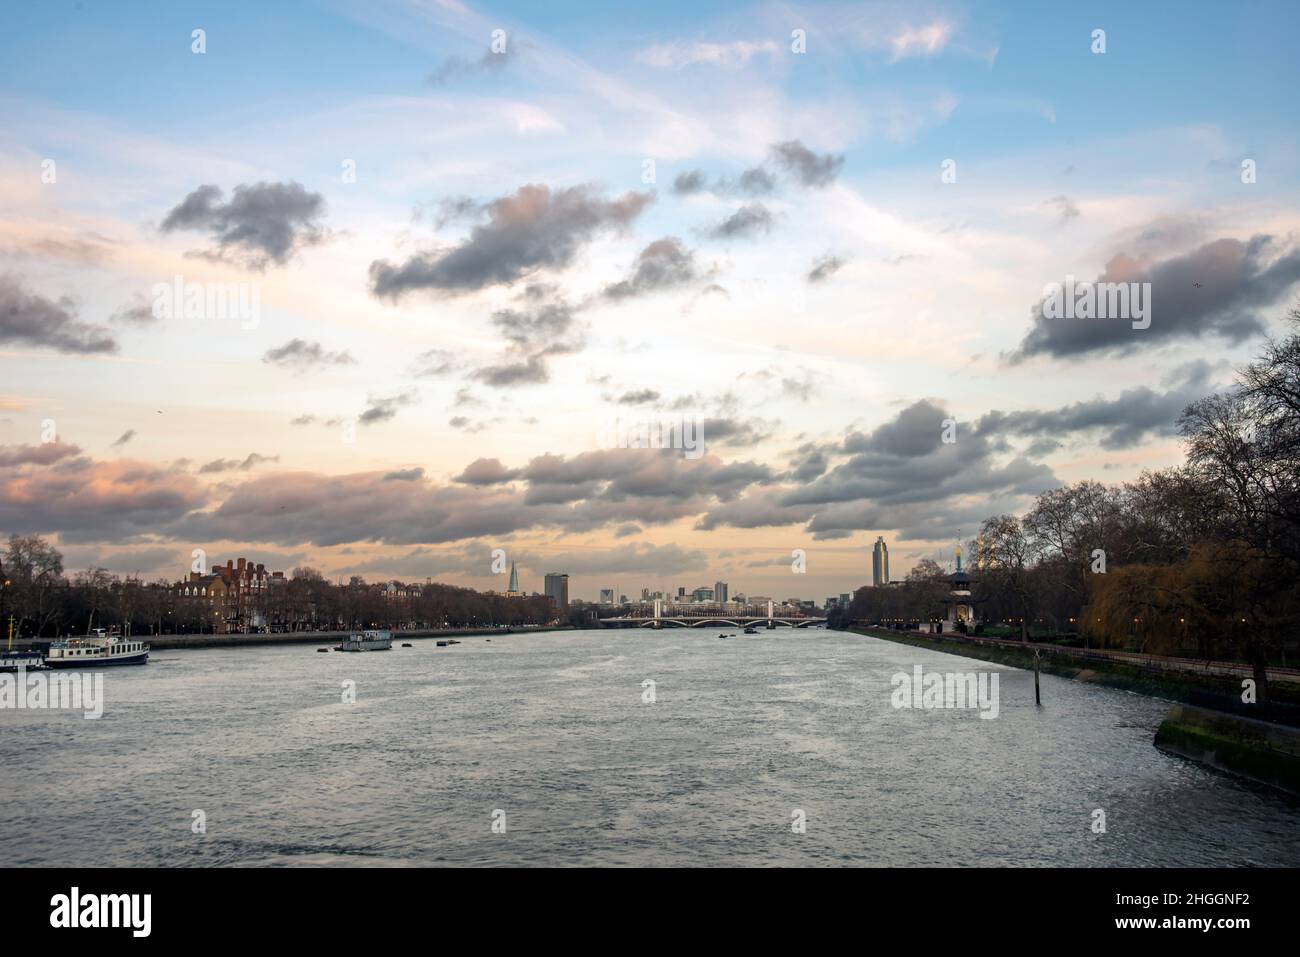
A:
x: 407, y: 644
x: 751, y: 630
x: 442, y: 644
x: 13, y: 660
x: 98, y: 649
x: 322, y: 651
x: 367, y: 641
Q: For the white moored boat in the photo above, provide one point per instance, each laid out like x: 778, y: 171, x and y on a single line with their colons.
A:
x: 97, y: 650
x: 367, y: 641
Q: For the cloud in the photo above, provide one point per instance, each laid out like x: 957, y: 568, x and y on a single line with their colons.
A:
x: 1066, y: 208
x: 900, y: 475
x: 752, y: 182
x: 805, y: 165
x: 433, y: 363
x: 138, y: 313
x: 263, y: 223
x: 735, y: 54
x: 824, y: 267
x: 383, y: 408
x: 124, y: 438
x: 535, y: 228
x: 47, y: 453
x: 925, y: 40
x: 1216, y: 289
x: 252, y: 460
x: 750, y: 220
x: 405, y: 475
x: 301, y: 355
x: 456, y: 67
x: 531, y: 371
x: 638, y: 397
x: 692, y: 181
x: 116, y: 501
x: 663, y: 264
x: 1125, y: 422
x: 486, y: 472
x: 32, y: 319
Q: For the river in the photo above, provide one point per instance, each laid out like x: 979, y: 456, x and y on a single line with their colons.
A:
x: 551, y: 736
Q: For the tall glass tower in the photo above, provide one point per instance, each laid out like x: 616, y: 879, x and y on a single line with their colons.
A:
x: 880, y: 562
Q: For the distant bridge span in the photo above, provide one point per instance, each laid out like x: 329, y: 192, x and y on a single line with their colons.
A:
x: 659, y: 620
x: 683, y: 621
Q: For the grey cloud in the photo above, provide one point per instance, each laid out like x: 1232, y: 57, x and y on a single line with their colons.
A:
x: 1124, y: 421
x: 486, y: 472
x: 47, y: 453
x: 805, y: 165
x: 383, y: 408
x: 1236, y: 280
x: 824, y: 267
x: 531, y: 371
x: 301, y: 354
x: 456, y: 67
x: 124, y: 438
x: 263, y: 223
x: 434, y: 362
x: 251, y: 461
x: 404, y: 475
x: 750, y: 220
x: 692, y: 181
x: 29, y: 318
x: 663, y: 264
x: 535, y: 228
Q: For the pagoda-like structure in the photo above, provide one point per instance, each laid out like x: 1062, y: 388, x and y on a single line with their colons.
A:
x: 960, y: 613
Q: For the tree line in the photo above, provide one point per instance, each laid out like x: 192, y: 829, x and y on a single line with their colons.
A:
x: 44, y: 602
x: 1201, y: 560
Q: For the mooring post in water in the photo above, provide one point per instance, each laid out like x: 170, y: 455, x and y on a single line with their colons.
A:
x: 1038, y: 698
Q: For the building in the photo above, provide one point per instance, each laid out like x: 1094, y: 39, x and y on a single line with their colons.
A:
x: 960, y: 611
x: 720, y: 592
x: 607, y: 596
x: 702, y: 594
x: 557, y: 589
x: 880, y: 563
x: 513, y: 589
x: 236, y: 593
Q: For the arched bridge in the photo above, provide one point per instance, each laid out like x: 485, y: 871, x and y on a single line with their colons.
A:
x: 660, y: 620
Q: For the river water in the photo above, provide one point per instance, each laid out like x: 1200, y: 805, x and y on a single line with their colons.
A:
x: 550, y: 734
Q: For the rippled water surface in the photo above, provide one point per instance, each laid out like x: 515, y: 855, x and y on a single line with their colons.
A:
x: 552, y: 730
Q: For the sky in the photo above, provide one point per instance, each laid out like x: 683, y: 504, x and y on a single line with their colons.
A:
x: 439, y: 257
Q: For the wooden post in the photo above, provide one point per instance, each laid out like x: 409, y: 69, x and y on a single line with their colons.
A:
x: 1038, y: 698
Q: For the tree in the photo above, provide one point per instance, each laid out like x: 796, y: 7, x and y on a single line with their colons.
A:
x: 34, y: 570
x: 1006, y: 555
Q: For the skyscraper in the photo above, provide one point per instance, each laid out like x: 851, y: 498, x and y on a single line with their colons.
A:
x: 880, y: 563
x: 513, y: 588
x: 720, y: 592
x: 557, y: 589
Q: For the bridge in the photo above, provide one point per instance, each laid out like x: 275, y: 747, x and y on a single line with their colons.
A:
x: 660, y: 620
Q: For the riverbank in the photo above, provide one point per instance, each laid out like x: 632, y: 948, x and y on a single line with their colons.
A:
x: 1208, y: 723
x: 1215, y: 692
x: 172, y: 642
